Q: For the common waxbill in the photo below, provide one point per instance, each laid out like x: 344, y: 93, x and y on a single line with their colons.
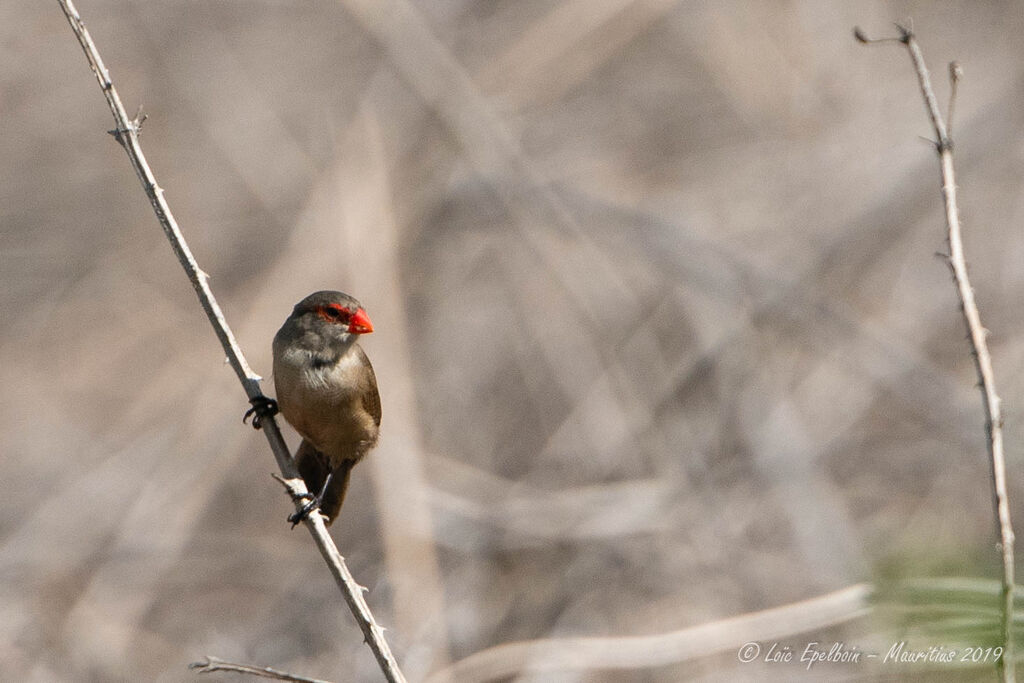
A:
x: 327, y: 391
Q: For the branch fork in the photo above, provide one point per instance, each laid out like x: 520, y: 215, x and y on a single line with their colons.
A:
x: 977, y: 333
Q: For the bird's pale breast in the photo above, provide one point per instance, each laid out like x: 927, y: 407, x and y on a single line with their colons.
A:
x: 324, y: 403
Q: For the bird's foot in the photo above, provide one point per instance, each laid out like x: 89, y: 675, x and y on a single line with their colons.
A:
x: 262, y: 407
x: 312, y: 503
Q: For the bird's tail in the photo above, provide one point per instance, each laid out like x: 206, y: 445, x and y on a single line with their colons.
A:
x: 330, y: 485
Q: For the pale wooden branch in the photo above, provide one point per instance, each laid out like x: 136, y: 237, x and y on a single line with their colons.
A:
x: 977, y: 334
x: 127, y: 133
x: 660, y: 649
x: 213, y: 664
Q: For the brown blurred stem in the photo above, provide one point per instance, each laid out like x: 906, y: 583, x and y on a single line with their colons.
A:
x: 127, y: 133
x: 976, y: 331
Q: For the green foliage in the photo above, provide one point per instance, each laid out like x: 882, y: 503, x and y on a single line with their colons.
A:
x: 945, y: 615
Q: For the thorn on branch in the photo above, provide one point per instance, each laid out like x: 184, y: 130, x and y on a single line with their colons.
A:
x: 291, y: 488
x: 140, y: 118
x: 134, y: 126
x: 119, y: 134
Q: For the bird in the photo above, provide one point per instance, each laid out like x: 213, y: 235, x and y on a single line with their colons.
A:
x: 327, y: 391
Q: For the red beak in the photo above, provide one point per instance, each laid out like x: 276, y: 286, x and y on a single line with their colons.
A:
x: 360, y: 323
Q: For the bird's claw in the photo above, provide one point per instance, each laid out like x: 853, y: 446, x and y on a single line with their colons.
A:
x: 312, y: 503
x: 262, y: 407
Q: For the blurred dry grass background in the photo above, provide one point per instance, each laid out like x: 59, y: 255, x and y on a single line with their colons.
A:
x: 661, y: 336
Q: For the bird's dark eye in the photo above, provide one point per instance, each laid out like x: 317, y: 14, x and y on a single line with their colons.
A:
x: 334, y: 312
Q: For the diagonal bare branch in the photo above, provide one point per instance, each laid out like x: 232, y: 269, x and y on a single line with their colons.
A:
x: 127, y: 133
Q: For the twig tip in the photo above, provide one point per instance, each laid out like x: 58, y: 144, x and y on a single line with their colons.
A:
x: 956, y: 72
x: 205, y: 666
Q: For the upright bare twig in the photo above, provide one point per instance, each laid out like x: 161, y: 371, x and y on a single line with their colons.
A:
x: 127, y: 133
x: 976, y: 331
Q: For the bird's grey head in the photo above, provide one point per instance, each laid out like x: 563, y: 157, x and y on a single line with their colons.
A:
x: 327, y: 323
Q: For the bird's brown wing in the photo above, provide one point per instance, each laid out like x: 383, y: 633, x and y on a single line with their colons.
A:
x: 371, y: 398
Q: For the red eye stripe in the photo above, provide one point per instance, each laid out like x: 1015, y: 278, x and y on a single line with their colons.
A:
x: 333, y: 313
